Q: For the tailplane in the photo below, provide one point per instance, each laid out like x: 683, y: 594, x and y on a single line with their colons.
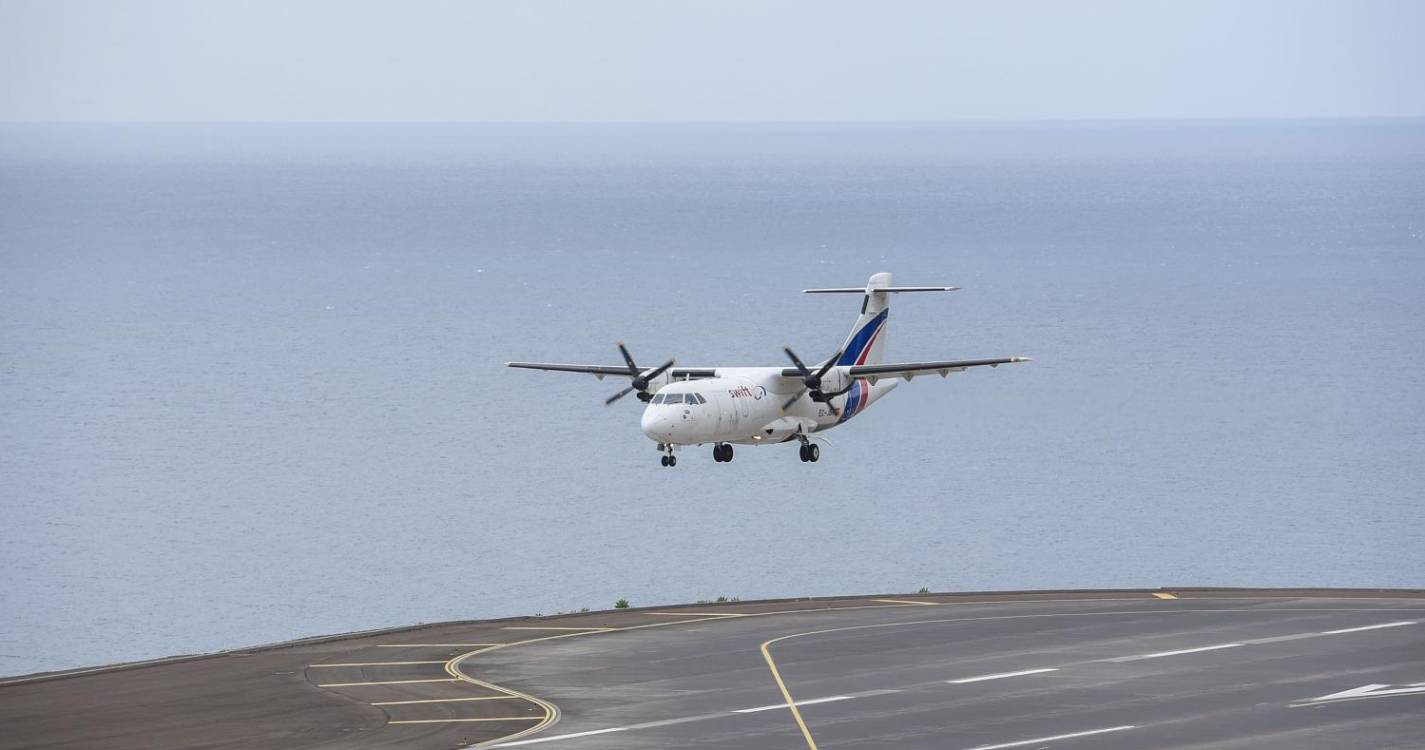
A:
x: 866, y: 344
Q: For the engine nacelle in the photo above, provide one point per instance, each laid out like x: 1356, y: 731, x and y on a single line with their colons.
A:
x: 836, y: 380
x: 656, y: 384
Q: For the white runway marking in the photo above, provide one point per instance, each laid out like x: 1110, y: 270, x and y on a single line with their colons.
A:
x: 373, y: 664
x: 1369, y: 627
x: 695, y: 614
x: 432, y: 645
x: 1375, y: 690
x: 448, y: 700
x: 1283, y: 638
x: 1161, y: 654
x: 552, y: 627
x: 1039, y: 740
x: 1001, y: 675
x: 562, y: 737
x: 812, y: 702
x: 457, y: 721
x: 384, y: 682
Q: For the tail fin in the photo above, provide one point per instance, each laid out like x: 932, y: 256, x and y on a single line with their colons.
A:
x: 866, y: 344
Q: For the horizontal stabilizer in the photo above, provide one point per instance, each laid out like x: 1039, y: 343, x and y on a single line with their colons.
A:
x: 862, y: 289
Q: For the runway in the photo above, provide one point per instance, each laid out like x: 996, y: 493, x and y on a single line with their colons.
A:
x: 1173, y: 668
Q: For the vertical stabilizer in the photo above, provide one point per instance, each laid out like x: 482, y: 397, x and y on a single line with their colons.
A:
x: 866, y: 344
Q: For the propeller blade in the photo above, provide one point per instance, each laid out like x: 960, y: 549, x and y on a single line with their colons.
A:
x: 793, y: 356
x: 640, y: 382
x: 657, y: 371
x: 618, y: 395
x: 794, y: 399
x: 830, y: 363
x: 632, y: 368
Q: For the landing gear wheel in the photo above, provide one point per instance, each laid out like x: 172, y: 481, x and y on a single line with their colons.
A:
x: 813, y: 452
x: 664, y: 459
x: 722, y: 452
x: 802, y: 452
x: 672, y: 460
x: 717, y: 452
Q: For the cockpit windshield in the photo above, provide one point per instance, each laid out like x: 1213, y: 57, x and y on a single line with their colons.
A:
x: 679, y: 398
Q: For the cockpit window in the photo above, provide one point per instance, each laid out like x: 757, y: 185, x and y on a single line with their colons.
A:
x: 678, y: 398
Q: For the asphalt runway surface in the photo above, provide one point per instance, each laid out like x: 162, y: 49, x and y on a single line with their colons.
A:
x: 1176, y: 668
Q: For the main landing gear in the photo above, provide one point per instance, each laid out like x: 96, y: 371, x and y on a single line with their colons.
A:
x: 667, y: 459
x: 810, y: 452
x: 722, y: 452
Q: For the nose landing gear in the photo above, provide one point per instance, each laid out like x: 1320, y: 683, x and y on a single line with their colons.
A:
x: 667, y: 459
x: 722, y: 452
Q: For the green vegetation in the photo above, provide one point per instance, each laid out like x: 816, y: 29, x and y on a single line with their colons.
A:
x: 923, y: 590
x: 621, y: 604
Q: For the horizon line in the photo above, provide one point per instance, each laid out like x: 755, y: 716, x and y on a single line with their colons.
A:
x: 958, y: 121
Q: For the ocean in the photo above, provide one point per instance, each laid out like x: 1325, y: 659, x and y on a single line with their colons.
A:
x: 252, y: 382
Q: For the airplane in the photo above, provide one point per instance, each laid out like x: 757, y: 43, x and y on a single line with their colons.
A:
x: 728, y: 406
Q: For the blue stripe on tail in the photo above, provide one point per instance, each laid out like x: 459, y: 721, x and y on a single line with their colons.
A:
x: 862, y: 339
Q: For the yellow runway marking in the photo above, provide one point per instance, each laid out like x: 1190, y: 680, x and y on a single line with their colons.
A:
x: 446, y: 700
x: 447, y: 721
x: 452, y: 667
x: 385, y: 682
x: 1164, y: 596
x: 551, y: 627
x: 552, y: 711
x: 907, y: 601
x: 375, y: 664
x: 791, y: 704
x: 432, y: 645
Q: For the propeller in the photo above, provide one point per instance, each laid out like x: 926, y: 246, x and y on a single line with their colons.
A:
x: 640, y: 377
x: 811, y: 381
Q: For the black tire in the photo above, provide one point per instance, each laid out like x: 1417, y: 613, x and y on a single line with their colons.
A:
x: 802, y: 453
x: 717, y: 453
x: 672, y: 460
x: 813, y: 452
x: 663, y: 460
x: 726, y: 452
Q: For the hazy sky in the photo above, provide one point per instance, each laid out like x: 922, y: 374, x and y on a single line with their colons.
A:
x: 717, y: 60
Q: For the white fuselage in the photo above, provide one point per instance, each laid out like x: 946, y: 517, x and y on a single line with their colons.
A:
x: 745, y: 405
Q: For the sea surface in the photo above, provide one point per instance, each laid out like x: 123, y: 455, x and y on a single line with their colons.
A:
x: 251, y: 381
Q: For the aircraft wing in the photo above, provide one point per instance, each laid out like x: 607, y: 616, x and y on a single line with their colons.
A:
x: 603, y: 371
x: 909, y: 370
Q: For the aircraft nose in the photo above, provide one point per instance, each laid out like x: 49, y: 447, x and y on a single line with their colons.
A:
x: 656, y: 424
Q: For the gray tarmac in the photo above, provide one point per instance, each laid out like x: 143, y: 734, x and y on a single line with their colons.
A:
x: 1174, y: 668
